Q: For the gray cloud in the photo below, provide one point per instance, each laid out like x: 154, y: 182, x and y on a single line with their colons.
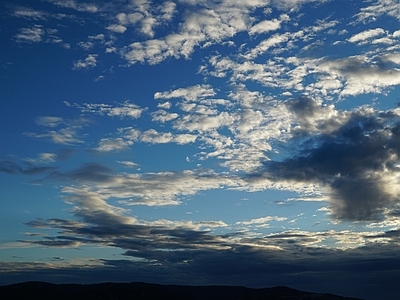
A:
x: 319, y: 270
x: 353, y: 162
x: 12, y: 168
x: 88, y: 172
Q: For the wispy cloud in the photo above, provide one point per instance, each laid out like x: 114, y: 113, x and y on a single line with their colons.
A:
x: 64, y: 131
x: 126, y: 109
x: 12, y: 168
x: 29, y: 13
x: 79, y: 6
x: 30, y: 35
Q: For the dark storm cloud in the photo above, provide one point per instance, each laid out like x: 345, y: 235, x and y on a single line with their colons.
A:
x: 350, y: 162
x: 12, y: 168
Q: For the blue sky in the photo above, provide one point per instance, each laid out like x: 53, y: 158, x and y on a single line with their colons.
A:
x: 250, y: 142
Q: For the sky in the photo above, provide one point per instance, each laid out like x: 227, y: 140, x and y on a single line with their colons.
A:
x: 234, y: 142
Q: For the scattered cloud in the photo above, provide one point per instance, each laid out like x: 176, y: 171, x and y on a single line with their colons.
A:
x: 366, y: 35
x: 63, y: 131
x: 278, y: 112
x: 89, y: 62
x: 191, y: 93
x: 29, y: 13
x: 79, y: 6
x: 106, y: 145
x: 123, y: 110
x: 30, y: 35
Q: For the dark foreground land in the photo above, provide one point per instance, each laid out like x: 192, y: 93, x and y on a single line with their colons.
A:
x: 139, y: 291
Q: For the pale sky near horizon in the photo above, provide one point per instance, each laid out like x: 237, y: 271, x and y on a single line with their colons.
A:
x: 251, y: 142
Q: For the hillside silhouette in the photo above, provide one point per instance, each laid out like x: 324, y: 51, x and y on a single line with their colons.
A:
x: 145, y: 291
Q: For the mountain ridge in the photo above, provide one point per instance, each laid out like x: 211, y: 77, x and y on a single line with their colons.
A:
x: 150, y: 291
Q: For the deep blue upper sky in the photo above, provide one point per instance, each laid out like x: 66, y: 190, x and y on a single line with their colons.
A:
x: 251, y: 142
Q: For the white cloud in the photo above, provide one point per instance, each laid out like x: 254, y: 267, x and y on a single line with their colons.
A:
x: 86, y: 45
x: 384, y: 40
x: 262, y: 47
x: 107, y: 145
x: 83, y: 7
x: 249, y: 119
x: 191, y: 93
x: 379, y: 8
x: 163, y: 116
x: 265, y: 26
x: 130, y: 18
x: 366, y: 35
x: 43, y: 158
x: 25, y: 12
x: 89, y: 62
x: 144, y: 17
x: 125, y: 109
x: 117, y: 28
x: 393, y: 57
x: 30, y: 35
x: 200, y: 27
x: 168, y: 10
x: 159, y: 189
x: 293, y: 4
x: 49, y: 121
x: 262, y: 220
x: 153, y: 137
x: 203, y: 123
x: 65, y: 136
x: 128, y: 164
x: 164, y: 105
x: 184, y: 138
x: 361, y: 74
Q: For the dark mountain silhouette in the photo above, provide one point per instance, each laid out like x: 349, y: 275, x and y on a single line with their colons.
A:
x: 145, y: 291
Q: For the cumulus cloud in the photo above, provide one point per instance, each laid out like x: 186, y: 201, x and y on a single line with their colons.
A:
x: 144, y: 17
x: 163, y: 116
x: 201, y: 123
x: 353, y: 163
x: 117, y: 28
x: 89, y: 62
x: 362, y: 74
x: 191, y: 93
x: 106, y: 144
x: 200, y: 27
x: 153, y: 137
